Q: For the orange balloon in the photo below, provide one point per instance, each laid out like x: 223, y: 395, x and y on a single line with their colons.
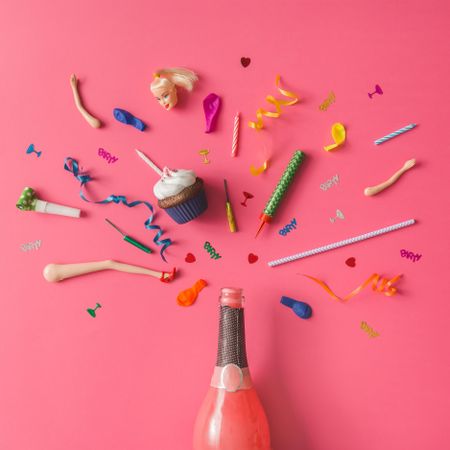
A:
x: 189, y: 296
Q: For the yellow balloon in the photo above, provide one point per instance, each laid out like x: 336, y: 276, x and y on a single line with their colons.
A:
x: 338, y: 134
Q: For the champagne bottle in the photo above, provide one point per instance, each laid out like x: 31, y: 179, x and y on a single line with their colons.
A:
x: 231, y: 416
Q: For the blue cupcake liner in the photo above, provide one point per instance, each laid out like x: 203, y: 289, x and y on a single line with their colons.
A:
x: 190, y: 209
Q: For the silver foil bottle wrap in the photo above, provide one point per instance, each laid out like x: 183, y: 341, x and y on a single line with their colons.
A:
x: 231, y: 349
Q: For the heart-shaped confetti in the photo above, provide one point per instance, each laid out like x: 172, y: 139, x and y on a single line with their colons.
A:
x: 245, y: 62
x: 190, y: 258
x: 351, y: 262
x: 252, y: 258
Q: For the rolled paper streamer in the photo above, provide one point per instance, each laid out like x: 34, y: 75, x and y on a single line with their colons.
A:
x: 334, y: 245
x: 284, y: 183
x: 28, y: 201
x: 302, y: 309
x: 234, y: 144
x: 189, y: 296
x: 259, y: 124
x: 211, y: 107
x: 128, y: 119
x: 385, y: 287
x: 281, y: 188
x: 395, y: 134
x: 71, y: 165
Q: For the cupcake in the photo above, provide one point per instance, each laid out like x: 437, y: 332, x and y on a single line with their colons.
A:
x: 181, y: 194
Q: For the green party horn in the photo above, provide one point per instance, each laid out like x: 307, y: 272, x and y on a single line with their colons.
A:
x: 281, y: 189
x: 28, y: 201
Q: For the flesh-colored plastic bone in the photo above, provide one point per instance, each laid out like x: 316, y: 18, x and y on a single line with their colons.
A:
x: 382, y: 186
x: 59, y: 272
x: 90, y: 119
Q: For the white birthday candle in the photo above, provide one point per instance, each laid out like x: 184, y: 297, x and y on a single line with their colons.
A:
x: 149, y: 162
x: 334, y: 245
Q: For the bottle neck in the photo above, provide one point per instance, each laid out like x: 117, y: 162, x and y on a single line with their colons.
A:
x: 231, y: 372
x: 231, y: 347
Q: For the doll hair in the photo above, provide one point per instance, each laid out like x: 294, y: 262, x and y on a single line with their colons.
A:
x: 176, y: 75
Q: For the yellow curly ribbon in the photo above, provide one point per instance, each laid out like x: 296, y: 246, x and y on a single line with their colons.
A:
x: 259, y: 124
x: 385, y: 286
x: 255, y: 171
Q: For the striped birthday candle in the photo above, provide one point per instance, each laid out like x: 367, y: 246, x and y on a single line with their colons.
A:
x: 235, y: 135
x: 395, y: 133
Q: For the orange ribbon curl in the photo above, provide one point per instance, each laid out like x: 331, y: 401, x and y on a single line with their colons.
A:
x: 259, y: 124
x: 255, y: 171
x: 385, y: 287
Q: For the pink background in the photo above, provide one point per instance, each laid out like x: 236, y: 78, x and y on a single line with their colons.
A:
x: 134, y: 377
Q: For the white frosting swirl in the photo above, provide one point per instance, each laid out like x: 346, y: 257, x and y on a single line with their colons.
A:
x: 172, y: 182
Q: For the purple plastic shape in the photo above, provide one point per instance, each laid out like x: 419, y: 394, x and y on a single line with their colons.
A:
x: 211, y: 106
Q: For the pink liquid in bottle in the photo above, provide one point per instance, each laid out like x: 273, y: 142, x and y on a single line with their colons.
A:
x: 231, y: 416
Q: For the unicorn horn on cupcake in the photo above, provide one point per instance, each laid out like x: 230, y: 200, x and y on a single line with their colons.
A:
x: 28, y: 201
x: 179, y: 192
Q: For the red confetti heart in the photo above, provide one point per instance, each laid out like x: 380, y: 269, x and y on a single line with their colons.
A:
x: 245, y: 62
x: 351, y: 262
x: 252, y: 258
x: 190, y: 258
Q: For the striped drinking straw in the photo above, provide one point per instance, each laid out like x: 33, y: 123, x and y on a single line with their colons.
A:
x: 332, y: 246
x: 395, y: 133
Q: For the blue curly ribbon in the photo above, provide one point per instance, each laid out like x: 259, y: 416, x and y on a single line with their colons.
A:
x: 71, y: 165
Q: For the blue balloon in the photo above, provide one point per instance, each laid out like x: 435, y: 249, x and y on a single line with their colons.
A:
x: 127, y: 118
x: 302, y: 309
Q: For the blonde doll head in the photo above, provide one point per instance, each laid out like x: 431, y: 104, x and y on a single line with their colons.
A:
x: 164, y: 85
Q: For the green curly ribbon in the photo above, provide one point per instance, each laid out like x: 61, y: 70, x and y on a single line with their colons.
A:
x: 27, y: 200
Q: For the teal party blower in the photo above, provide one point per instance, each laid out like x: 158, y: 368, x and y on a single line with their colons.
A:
x: 281, y: 189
